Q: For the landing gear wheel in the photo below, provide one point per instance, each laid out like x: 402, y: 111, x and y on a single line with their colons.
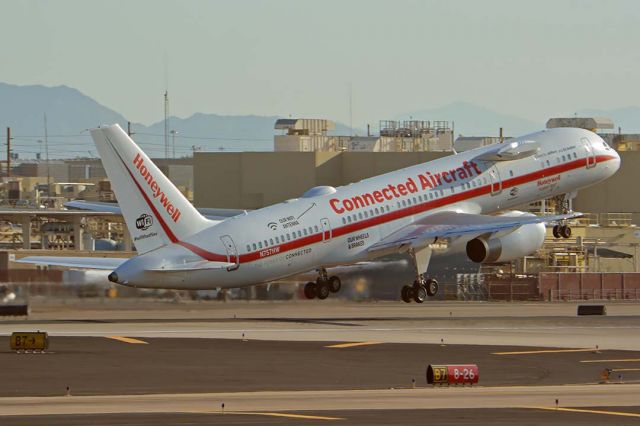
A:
x: 432, y: 287
x: 406, y: 294
x: 322, y: 290
x: 556, y: 231
x: 334, y: 284
x: 419, y: 294
x: 565, y: 231
x: 310, y: 290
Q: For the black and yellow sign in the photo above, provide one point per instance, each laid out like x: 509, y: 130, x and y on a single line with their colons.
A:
x: 29, y: 341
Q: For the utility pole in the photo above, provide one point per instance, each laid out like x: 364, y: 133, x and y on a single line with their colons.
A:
x: 8, y: 151
x: 173, y: 142
x: 46, y: 153
x: 166, y: 124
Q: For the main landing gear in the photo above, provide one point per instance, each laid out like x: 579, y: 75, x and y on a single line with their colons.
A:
x: 419, y: 290
x: 562, y: 231
x: 421, y: 287
x: 323, y: 286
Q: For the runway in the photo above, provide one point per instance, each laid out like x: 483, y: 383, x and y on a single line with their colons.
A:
x: 520, y: 324
x: 147, y: 363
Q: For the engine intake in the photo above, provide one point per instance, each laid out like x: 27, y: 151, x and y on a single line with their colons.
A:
x: 523, y: 241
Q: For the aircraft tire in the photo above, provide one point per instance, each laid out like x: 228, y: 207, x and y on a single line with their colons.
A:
x: 432, y: 287
x: 420, y: 294
x: 310, y: 290
x: 556, y: 231
x: 334, y: 284
x: 565, y: 231
x: 405, y: 294
x: 323, y: 290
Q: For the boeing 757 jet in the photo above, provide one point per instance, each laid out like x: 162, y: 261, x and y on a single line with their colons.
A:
x: 464, y: 197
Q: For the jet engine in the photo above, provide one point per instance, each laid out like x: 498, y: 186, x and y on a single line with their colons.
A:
x: 522, y: 241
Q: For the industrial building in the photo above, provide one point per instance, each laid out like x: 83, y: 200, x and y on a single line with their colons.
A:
x: 313, y: 135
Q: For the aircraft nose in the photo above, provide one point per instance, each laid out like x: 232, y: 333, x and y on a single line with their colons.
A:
x: 616, y: 161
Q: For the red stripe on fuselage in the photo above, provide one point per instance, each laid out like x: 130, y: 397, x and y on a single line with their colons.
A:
x: 388, y: 217
x: 427, y: 205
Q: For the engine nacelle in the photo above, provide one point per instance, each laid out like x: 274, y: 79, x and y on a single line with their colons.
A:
x: 521, y: 242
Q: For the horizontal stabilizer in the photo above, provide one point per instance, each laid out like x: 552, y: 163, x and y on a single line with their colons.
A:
x: 100, y: 206
x: 107, y: 263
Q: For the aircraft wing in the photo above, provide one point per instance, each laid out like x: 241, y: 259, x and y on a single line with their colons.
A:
x: 453, y: 224
x: 108, y: 263
x: 98, y: 206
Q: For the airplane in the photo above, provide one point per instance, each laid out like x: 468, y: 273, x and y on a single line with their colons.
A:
x: 464, y: 197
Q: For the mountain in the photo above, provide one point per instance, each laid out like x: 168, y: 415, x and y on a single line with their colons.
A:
x: 70, y: 112
x: 473, y: 120
x: 628, y: 119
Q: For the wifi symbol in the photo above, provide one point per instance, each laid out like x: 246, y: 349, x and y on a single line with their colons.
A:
x: 272, y: 225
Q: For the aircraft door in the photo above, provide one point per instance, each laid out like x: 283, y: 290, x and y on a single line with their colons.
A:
x: 326, y: 229
x: 591, y: 154
x: 232, y: 252
x: 495, y: 181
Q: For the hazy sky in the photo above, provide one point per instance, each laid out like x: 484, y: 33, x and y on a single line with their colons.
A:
x: 533, y: 59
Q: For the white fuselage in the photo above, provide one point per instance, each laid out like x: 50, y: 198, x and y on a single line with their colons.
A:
x: 338, y: 226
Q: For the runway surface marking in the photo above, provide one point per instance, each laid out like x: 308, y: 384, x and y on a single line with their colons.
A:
x: 612, y: 360
x: 544, y: 351
x: 282, y: 402
x: 625, y: 369
x: 352, y: 345
x: 582, y: 410
x: 128, y: 340
x: 288, y: 415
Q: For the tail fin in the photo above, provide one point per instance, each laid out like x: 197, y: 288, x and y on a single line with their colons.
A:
x: 155, y: 211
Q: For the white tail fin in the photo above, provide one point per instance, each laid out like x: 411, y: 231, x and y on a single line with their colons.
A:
x: 155, y: 211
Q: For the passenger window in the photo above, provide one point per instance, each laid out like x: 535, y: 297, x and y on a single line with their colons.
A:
x: 360, y: 215
x: 548, y: 164
x: 315, y: 228
x: 510, y: 172
x: 575, y: 155
x: 266, y: 244
x: 398, y: 204
x: 343, y: 220
x: 304, y: 231
x: 254, y: 246
x: 564, y: 158
x: 271, y: 241
x: 452, y: 190
x: 404, y: 203
x: 414, y: 200
x: 388, y: 208
x: 376, y: 210
x: 277, y: 240
x: 349, y: 219
x: 248, y: 248
x: 310, y: 230
x: 366, y: 215
x: 259, y: 244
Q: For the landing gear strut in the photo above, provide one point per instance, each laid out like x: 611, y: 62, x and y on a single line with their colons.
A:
x: 421, y: 287
x: 323, y: 286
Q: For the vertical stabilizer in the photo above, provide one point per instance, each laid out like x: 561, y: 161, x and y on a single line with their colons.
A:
x: 155, y: 210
